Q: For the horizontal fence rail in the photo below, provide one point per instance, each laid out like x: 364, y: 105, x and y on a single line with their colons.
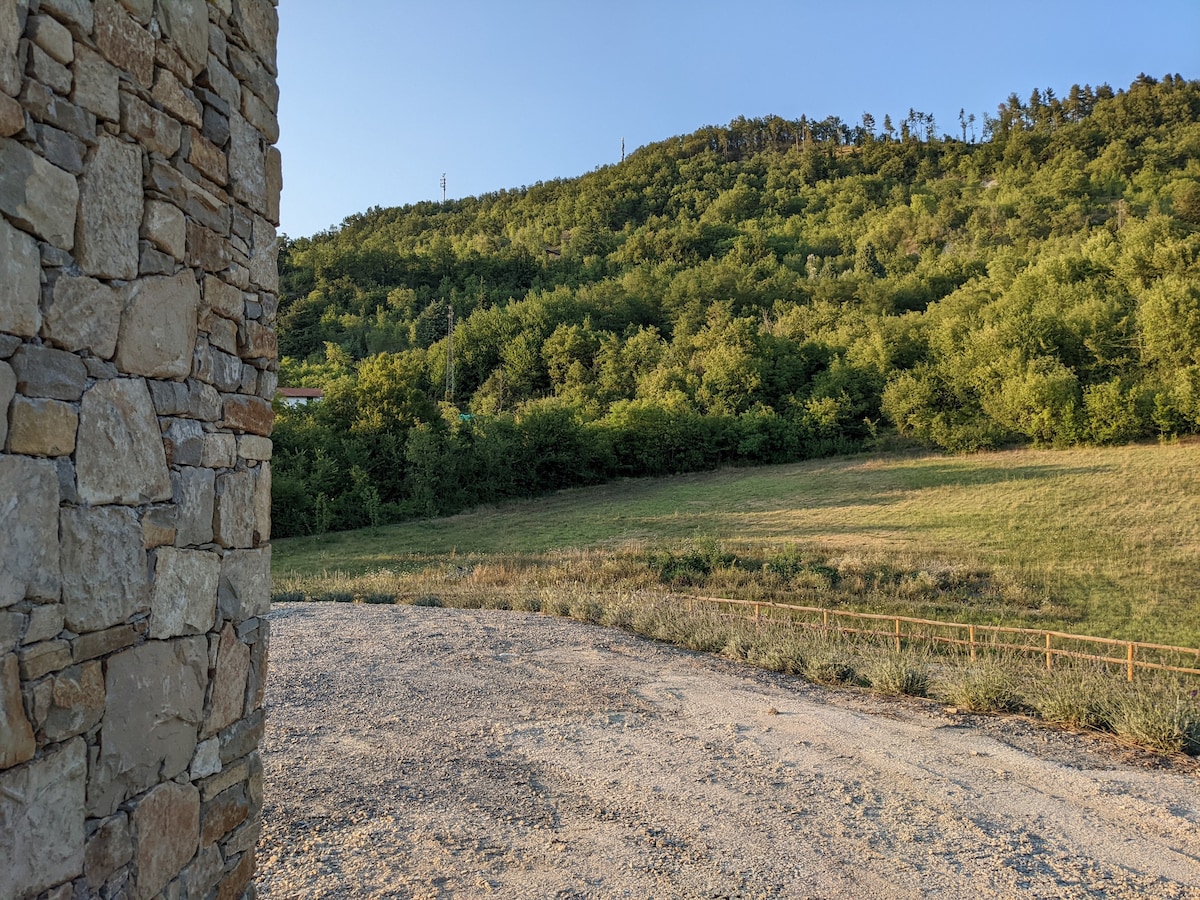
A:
x: 899, y: 630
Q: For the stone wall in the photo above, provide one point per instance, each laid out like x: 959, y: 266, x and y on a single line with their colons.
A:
x: 138, y: 202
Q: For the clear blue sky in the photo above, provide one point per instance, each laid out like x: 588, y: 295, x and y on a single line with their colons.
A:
x: 380, y: 97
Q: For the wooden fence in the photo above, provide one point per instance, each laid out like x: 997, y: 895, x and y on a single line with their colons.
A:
x: 973, y: 639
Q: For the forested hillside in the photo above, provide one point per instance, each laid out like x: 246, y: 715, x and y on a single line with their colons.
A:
x: 761, y: 292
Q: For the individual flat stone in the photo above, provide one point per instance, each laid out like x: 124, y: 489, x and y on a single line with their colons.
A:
x: 254, y: 447
x: 208, y: 158
x: 158, y: 526
x: 150, y: 127
x: 52, y: 37
x: 110, y: 210
x: 123, y: 42
x: 43, y: 658
x: 205, y: 248
x: 262, y: 503
x: 47, y: 107
x: 163, y: 226
x: 203, y: 873
x: 83, y: 314
x: 76, y: 702
x: 159, y: 326
x: 229, y: 683
x: 248, y: 414
x: 119, y: 450
x: 273, y: 166
x: 20, y: 280
x: 222, y: 333
x: 233, y: 522
x: 176, y: 99
x: 264, y: 263
x: 42, y: 821
x: 105, y: 578
x: 109, y: 848
x: 220, y: 451
x: 245, y: 587
x: 257, y: 22
x: 257, y: 341
x: 102, y: 643
x: 139, y: 9
x: 63, y: 150
x: 10, y: 38
x: 38, y: 196
x: 46, y: 372
x: 207, y: 760
x: 154, y: 700
x: 16, y: 734
x: 45, y: 623
x: 97, y: 84
x: 247, y: 164
x: 184, y: 443
x: 166, y: 823
x: 223, y: 299
x: 184, y: 597
x: 12, y: 116
x: 194, y: 497
x: 243, y: 737
x: 8, y: 388
x: 75, y: 14
x: 185, y: 25
x: 28, y: 529
x: 226, y: 371
x: 47, y: 71
x: 39, y: 427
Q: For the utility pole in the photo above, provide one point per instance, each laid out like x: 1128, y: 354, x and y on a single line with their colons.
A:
x: 450, y: 356
x: 443, y: 187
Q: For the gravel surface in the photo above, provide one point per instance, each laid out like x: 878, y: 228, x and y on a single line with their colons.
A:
x: 428, y: 753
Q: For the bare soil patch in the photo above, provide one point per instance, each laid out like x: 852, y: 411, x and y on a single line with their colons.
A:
x: 428, y: 753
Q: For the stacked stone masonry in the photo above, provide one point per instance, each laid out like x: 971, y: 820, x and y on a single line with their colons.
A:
x: 139, y: 191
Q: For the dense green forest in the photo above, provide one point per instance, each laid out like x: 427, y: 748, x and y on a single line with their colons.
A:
x: 762, y: 292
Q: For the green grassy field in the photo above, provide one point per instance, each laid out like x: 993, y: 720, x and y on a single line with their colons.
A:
x: 1096, y: 541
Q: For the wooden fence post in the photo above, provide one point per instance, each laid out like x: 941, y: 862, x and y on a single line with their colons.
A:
x: 1129, y: 670
x: 971, y: 631
x: 897, y: 634
x: 1049, y: 655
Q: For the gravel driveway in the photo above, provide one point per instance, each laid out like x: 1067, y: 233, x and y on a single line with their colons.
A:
x: 428, y: 753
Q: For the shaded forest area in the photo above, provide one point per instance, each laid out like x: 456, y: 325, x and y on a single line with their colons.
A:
x: 763, y: 292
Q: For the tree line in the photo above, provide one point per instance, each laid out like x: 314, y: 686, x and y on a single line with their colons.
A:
x: 762, y: 292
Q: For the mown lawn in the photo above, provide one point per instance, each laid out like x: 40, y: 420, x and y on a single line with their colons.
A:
x: 1099, y: 541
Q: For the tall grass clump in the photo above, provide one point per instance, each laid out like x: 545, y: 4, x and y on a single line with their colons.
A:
x: 905, y: 672
x: 1075, y: 696
x: 1156, y: 715
x: 989, y: 685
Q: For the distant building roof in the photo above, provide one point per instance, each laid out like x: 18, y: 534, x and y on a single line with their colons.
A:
x: 301, y: 393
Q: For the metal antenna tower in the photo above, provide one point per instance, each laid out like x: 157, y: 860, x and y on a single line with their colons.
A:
x: 443, y: 187
x: 450, y: 356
